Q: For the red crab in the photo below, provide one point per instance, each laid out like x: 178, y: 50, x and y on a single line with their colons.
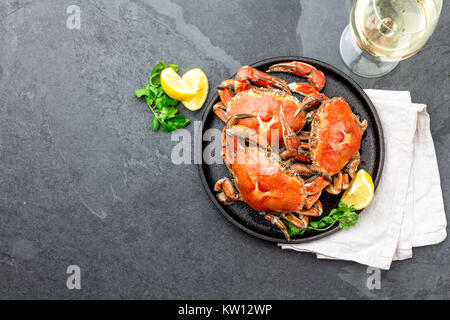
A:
x: 257, y: 93
x: 331, y: 148
x: 265, y: 183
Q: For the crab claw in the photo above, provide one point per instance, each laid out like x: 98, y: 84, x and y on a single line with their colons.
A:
x: 306, y: 90
x: 311, y: 101
x: 232, y: 129
x: 291, y: 140
x: 235, y: 119
x: 314, y: 76
x: 228, y: 89
x: 303, y: 88
x: 261, y: 79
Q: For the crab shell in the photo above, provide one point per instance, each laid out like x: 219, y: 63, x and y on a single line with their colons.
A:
x: 336, y: 136
x: 265, y: 104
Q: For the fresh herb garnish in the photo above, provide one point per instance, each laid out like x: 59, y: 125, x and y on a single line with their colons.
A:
x: 344, y: 215
x: 162, y: 106
x: 293, y: 230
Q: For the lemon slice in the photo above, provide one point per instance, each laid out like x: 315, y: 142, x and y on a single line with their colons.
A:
x: 196, y: 78
x: 360, y: 192
x: 175, y: 86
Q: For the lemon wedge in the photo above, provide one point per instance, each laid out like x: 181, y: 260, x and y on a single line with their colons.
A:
x: 196, y: 78
x: 175, y: 86
x: 360, y: 192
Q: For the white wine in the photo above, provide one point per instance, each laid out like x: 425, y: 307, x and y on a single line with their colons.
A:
x: 392, y: 30
x: 383, y: 32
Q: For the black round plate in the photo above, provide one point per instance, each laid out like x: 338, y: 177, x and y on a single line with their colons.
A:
x: 372, y: 151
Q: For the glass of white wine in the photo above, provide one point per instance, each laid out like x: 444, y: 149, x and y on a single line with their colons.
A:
x: 383, y: 32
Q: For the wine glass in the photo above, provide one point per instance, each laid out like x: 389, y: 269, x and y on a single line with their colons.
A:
x: 383, y: 32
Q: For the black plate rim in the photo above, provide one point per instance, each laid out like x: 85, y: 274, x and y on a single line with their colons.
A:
x: 273, y: 60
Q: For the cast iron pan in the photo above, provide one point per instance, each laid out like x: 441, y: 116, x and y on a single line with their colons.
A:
x: 372, y: 151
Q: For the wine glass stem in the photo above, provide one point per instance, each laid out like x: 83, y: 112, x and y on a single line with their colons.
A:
x: 359, y: 62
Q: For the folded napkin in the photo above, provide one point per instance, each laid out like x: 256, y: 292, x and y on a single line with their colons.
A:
x: 407, y: 210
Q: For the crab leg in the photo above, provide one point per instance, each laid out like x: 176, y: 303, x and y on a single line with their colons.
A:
x: 332, y: 190
x: 261, y: 79
x: 352, y: 166
x: 345, y: 181
x: 295, y: 147
x: 340, y: 182
x: 363, y: 125
x: 312, y: 199
x: 220, y: 111
x: 304, y: 169
x: 299, y: 155
x: 314, y: 76
x: 300, y: 222
x: 315, y: 211
x: 304, y: 135
x: 336, y: 186
x: 226, y: 186
x: 276, y: 221
x: 226, y: 192
x: 316, y: 184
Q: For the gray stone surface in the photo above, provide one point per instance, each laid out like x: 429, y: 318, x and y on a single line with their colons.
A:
x: 84, y: 180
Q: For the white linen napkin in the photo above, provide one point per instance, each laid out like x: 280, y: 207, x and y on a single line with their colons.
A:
x: 408, y: 209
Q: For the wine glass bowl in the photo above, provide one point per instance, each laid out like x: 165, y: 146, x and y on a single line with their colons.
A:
x: 383, y: 32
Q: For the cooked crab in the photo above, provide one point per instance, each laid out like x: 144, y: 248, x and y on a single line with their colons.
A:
x: 260, y: 94
x: 263, y: 181
x: 331, y: 148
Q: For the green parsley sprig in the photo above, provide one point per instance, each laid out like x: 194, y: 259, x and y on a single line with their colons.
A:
x: 162, y: 106
x: 344, y: 215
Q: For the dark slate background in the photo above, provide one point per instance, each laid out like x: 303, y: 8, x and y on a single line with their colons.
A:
x: 84, y: 180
